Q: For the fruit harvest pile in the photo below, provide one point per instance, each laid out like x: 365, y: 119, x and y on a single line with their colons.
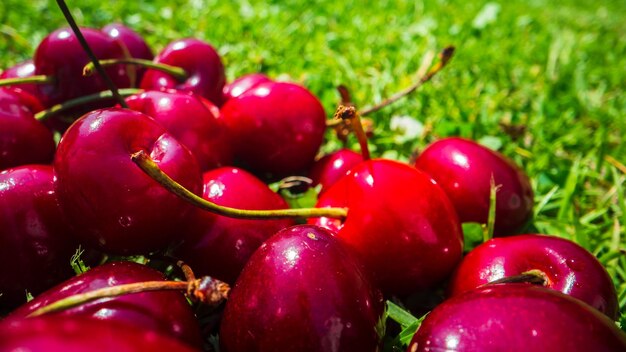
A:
x: 148, y: 204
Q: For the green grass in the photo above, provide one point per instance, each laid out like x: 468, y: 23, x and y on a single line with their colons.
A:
x: 553, y: 73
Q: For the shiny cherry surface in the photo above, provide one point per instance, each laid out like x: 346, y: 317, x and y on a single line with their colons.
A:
x: 516, y: 317
x: 400, y: 223
x: 23, y: 69
x: 330, y: 168
x: 221, y: 246
x: 134, y: 43
x: 568, y: 268
x: 243, y: 84
x: 463, y: 168
x: 113, y: 204
x: 277, y: 128
x: 302, y: 291
x: 35, y: 242
x: 201, y: 62
x: 191, y: 119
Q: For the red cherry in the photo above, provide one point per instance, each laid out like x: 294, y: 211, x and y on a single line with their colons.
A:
x: 277, y: 128
x: 202, y: 63
x: 302, y: 291
x: 193, y: 120
x: 567, y: 267
x: 333, y: 166
x: 112, y: 203
x: 24, y: 69
x: 243, y: 84
x: 35, y: 240
x: 516, y: 317
x: 400, y: 223
x: 134, y: 43
x: 221, y: 245
x: 165, y: 312
x: 463, y: 168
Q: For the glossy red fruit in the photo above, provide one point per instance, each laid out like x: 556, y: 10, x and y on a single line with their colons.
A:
x: 277, y: 127
x: 56, y: 333
x: 23, y: 70
x: 220, y: 246
x: 243, y: 84
x: 23, y: 140
x: 164, y: 312
x: 566, y: 266
x: 463, y: 168
x: 60, y: 55
x: 399, y: 222
x: 191, y: 119
x: 112, y: 203
x: 302, y: 291
x: 134, y: 43
x: 329, y: 169
x: 516, y: 317
x: 201, y: 62
x: 35, y: 241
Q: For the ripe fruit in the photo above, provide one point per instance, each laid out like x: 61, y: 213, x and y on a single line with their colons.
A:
x: 464, y: 168
x: 22, y: 70
x: 333, y: 166
x: 516, y: 317
x: 302, y: 291
x: 243, y: 84
x: 134, y: 43
x: 112, y: 203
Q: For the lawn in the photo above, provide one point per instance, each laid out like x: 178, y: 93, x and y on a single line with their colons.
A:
x: 543, y: 83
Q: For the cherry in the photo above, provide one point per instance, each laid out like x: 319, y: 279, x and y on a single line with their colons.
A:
x: 59, y: 333
x: 23, y: 140
x: 23, y: 70
x: 33, y: 234
x: 516, y: 317
x: 204, y: 69
x: 400, y: 223
x: 329, y: 169
x: 464, y: 168
x: 113, y: 204
x: 302, y: 291
x: 277, y: 128
x: 566, y: 267
x: 134, y: 43
x: 166, y: 312
x: 243, y: 84
x: 193, y: 120
x: 221, y: 246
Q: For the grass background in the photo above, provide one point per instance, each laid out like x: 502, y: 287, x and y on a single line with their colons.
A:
x: 552, y: 72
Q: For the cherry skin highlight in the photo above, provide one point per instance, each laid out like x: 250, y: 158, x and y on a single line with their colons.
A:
x: 243, y: 84
x: 23, y: 69
x: 134, y: 43
x: 568, y: 268
x: 329, y: 169
x: 463, y: 168
x: 114, y: 205
x: 302, y: 290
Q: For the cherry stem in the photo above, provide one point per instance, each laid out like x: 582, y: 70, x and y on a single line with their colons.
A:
x: 348, y: 112
x: 177, y: 72
x: 145, y: 163
x: 424, y: 74
x: 205, y: 290
x: 39, y: 79
x: 89, y: 52
x: 536, y: 277
x: 104, y: 95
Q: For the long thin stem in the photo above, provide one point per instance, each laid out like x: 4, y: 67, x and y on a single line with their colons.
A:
x: 143, y: 160
x: 349, y: 113
x: 59, y: 108
x: 177, y: 72
x: 39, y: 79
x: 92, y: 56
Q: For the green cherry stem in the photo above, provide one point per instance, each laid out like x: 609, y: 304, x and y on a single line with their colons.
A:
x: 104, y: 95
x: 349, y: 112
x: 177, y: 72
x: 39, y: 79
x: 145, y: 163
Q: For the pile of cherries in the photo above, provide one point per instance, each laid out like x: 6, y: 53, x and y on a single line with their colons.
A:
x: 133, y: 179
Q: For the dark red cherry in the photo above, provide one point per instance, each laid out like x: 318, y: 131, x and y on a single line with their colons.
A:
x: 201, y: 62
x: 191, y: 119
x: 60, y: 55
x: 401, y: 224
x: 164, y: 312
x: 221, y: 246
x: 566, y: 266
x: 329, y: 169
x: 243, y: 84
x: 277, y: 128
x: 112, y: 203
x: 302, y: 291
x: 135, y: 44
x: 23, y: 140
x: 516, y: 317
x: 463, y: 168
x: 58, y: 333
x: 35, y: 241
x: 23, y: 70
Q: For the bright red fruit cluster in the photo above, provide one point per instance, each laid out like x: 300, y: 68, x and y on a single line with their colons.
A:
x: 381, y: 229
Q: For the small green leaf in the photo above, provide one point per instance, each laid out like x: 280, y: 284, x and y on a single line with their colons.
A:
x: 29, y: 296
x: 399, y: 314
x: 473, y: 235
x: 77, y: 263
